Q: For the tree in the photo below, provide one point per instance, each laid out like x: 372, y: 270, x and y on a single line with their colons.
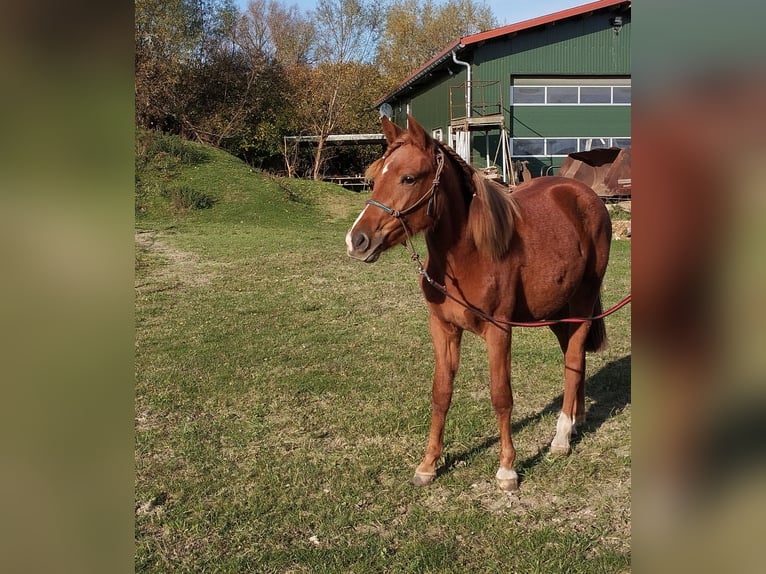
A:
x: 416, y: 30
x: 174, y: 39
x: 242, y: 81
x: 347, y: 34
x: 335, y: 98
x: 164, y: 43
x: 217, y: 84
x: 269, y: 29
x: 199, y: 75
x: 348, y: 30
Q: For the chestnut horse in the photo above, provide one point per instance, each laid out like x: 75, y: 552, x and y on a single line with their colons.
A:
x: 493, y: 257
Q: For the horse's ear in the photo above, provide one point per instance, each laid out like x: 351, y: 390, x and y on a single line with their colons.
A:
x: 390, y: 130
x: 417, y: 133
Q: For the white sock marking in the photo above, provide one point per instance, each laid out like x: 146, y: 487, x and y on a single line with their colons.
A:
x: 506, y: 474
x: 563, y: 431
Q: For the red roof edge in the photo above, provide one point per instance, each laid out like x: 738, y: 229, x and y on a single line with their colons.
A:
x: 461, y: 43
x: 414, y: 75
x: 539, y: 21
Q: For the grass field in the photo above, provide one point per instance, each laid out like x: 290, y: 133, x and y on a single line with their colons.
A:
x: 283, y: 399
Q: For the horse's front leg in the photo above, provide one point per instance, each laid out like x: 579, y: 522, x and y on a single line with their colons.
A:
x: 446, y: 340
x: 498, y: 347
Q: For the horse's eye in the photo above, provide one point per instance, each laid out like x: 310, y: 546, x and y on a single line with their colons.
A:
x: 408, y: 179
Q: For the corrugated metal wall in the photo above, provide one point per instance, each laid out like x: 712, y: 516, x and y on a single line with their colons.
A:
x: 431, y: 107
x: 571, y: 121
x: 588, y: 46
x: 580, y: 47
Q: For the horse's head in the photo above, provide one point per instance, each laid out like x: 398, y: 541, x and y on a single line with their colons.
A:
x: 405, y: 180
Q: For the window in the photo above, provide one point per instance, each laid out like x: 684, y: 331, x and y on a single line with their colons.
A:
x: 528, y: 95
x: 621, y: 95
x: 595, y: 95
x: 551, y: 147
x: 587, y: 144
x: 562, y: 95
x: 570, y: 91
x: 560, y: 146
x: 528, y: 146
x: 437, y: 134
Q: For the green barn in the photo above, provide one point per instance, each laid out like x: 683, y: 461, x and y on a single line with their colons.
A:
x: 534, y: 91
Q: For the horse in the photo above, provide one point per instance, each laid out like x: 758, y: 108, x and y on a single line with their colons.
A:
x: 495, y: 257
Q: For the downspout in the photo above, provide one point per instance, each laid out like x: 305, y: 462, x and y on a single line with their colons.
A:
x: 467, y: 83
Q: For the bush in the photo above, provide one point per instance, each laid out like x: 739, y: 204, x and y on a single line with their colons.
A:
x: 186, y: 198
x: 185, y: 152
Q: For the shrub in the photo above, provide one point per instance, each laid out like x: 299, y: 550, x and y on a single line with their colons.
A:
x: 185, y: 152
x: 186, y: 198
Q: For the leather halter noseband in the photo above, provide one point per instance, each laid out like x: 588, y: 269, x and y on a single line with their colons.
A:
x: 429, y: 196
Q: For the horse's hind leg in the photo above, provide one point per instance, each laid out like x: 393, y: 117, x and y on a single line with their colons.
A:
x: 446, y: 340
x: 573, y: 406
x: 561, y: 330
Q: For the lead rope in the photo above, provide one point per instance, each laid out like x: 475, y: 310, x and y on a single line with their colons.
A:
x: 500, y: 323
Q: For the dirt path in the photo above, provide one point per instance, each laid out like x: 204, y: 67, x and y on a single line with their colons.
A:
x: 164, y: 266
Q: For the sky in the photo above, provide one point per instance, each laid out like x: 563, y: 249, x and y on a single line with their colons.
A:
x: 506, y: 11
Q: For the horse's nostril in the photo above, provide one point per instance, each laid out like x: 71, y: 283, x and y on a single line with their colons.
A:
x: 360, y: 241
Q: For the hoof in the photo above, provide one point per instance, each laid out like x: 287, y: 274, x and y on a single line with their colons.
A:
x: 423, y: 478
x: 560, y: 442
x: 508, y: 484
x: 507, y: 480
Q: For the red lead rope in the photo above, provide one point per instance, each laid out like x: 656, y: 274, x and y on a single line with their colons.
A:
x: 609, y: 311
x: 500, y: 323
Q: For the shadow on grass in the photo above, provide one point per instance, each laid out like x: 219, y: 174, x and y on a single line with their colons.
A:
x: 609, y: 391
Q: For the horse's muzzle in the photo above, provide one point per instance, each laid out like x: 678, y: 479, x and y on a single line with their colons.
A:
x: 360, y: 246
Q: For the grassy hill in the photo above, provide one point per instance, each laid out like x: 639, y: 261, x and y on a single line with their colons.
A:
x: 179, y: 182
x: 283, y: 398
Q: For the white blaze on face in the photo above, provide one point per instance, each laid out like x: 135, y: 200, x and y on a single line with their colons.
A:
x: 349, y: 245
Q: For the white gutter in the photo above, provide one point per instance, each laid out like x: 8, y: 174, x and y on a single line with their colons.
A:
x: 467, y: 84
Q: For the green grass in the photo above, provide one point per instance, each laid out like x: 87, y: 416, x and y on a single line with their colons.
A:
x: 283, y: 401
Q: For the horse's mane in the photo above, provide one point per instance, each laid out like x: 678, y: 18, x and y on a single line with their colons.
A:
x: 492, y: 210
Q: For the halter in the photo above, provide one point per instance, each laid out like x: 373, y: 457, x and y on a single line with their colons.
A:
x: 429, y: 196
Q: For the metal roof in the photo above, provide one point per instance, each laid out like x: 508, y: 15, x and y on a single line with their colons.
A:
x: 467, y: 41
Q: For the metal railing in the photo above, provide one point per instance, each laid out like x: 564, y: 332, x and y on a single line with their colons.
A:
x: 486, y: 100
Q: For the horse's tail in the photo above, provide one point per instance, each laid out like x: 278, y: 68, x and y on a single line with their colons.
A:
x: 596, y: 340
